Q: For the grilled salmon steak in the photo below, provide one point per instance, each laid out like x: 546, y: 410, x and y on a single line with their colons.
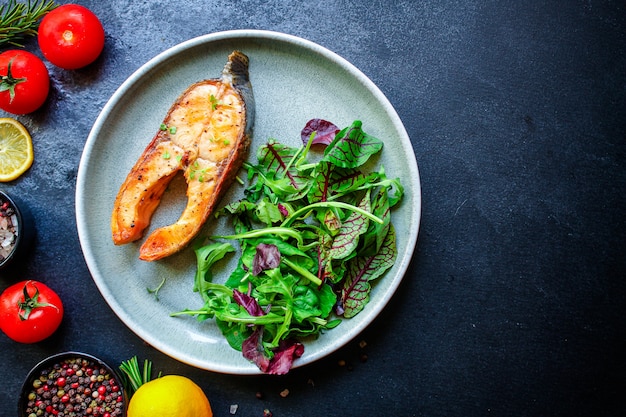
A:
x: 205, y: 134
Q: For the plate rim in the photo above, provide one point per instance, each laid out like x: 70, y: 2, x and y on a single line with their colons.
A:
x: 153, y: 64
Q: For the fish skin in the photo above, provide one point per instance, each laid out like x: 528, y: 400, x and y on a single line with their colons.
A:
x: 214, y: 120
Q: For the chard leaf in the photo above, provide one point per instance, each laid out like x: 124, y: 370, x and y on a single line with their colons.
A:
x: 361, y: 270
x: 320, y: 187
x: 346, y: 181
x: 352, y: 147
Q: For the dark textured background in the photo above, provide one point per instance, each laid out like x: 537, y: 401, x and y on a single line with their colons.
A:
x: 515, y: 301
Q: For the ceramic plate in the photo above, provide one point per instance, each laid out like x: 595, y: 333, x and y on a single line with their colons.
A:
x: 294, y: 80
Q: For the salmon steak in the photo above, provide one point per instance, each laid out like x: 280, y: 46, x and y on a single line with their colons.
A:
x: 205, y: 135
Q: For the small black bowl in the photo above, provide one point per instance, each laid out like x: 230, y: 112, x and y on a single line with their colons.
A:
x: 23, y: 230
x: 48, y: 371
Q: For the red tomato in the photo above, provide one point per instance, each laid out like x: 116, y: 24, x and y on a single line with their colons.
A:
x: 30, y: 311
x: 71, y: 36
x: 24, y: 82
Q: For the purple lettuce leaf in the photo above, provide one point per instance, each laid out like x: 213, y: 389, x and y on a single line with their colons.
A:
x: 266, y: 257
x: 325, y: 132
x: 252, y: 349
x: 249, y: 303
x: 284, y: 355
x: 287, y: 351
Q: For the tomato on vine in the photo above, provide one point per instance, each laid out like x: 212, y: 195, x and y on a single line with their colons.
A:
x: 71, y: 36
x: 24, y: 82
x: 30, y: 311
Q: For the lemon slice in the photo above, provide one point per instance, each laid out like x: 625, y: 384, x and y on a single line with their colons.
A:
x: 16, y: 149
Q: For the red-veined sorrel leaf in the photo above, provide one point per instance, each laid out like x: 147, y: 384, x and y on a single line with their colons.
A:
x: 276, y: 159
x: 325, y: 132
x: 356, y: 224
x: 352, y: 147
x: 374, y: 238
x: 331, y: 182
x: 356, y: 291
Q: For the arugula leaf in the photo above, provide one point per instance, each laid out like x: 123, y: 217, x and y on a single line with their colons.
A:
x: 206, y: 256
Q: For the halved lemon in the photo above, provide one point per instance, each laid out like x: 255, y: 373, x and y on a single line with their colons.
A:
x: 16, y: 149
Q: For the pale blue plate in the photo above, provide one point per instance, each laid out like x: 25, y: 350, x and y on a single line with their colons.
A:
x: 294, y: 80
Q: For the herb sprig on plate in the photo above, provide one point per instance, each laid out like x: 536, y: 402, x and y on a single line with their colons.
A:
x: 313, y: 237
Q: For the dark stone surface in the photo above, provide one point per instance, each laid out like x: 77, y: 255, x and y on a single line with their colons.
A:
x: 515, y: 301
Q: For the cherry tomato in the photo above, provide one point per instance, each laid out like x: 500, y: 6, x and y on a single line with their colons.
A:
x: 71, y: 36
x: 24, y: 82
x: 30, y: 311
